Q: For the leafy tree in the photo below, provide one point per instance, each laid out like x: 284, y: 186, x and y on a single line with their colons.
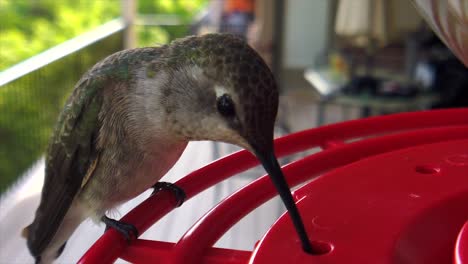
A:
x: 29, y: 27
x: 185, y: 11
x: 29, y: 105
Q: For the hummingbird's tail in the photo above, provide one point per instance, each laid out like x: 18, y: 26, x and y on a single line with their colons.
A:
x: 48, y: 252
x: 45, y: 258
x: 25, y: 232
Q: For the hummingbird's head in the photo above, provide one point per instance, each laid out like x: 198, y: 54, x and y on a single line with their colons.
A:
x: 226, y: 92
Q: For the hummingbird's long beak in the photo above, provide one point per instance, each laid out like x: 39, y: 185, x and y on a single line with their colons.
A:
x: 270, y: 163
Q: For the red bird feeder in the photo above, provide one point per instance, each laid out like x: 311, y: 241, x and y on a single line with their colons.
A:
x: 388, y: 189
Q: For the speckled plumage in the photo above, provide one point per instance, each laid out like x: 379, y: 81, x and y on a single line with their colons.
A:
x: 228, y: 58
x: 130, y: 117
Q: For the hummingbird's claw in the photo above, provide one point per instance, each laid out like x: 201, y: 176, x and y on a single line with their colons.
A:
x: 178, y: 192
x: 129, y: 231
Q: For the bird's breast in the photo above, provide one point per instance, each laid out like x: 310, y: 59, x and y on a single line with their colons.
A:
x: 150, y: 169
x: 120, y: 178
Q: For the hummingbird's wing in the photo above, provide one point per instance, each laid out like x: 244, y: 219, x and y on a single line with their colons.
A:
x: 72, y: 155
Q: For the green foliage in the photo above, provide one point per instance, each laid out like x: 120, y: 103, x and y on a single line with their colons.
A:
x: 151, y: 36
x: 29, y: 106
x: 29, y: 27
x: 183, y: 8
x: 156, y: 35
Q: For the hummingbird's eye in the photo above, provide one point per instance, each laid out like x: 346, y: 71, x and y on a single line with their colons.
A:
x: 225, y: 106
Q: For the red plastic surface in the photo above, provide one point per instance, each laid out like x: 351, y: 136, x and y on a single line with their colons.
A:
x: 409, y: 130
x: 406, y: 206
x: 461, y: 247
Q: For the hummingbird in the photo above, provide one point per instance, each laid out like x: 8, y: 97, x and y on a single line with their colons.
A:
x: 130, y: 117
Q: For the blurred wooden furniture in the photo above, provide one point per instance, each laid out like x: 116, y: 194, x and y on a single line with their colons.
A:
x: 329, y: 86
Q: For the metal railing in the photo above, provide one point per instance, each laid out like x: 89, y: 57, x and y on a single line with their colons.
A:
x: 33, y: 92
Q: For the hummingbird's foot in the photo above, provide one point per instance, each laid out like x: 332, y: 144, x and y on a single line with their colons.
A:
x: 129, y: 231
x: 178, y: 192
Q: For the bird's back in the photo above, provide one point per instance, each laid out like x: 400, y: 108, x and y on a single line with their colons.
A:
x: 72, y: 152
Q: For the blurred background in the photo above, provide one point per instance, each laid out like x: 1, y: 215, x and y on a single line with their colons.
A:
x: 334, y: 60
